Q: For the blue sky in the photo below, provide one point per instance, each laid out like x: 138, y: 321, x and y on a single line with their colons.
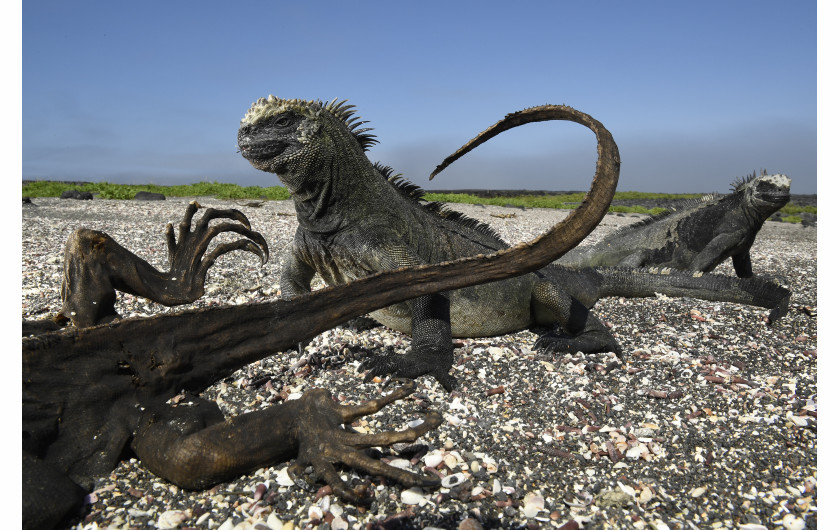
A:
x: 695, y: 93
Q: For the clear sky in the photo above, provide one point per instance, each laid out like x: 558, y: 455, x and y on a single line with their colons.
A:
x: 695, y: 93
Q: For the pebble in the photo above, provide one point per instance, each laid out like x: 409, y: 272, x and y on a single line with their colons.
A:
x: 792, y: 522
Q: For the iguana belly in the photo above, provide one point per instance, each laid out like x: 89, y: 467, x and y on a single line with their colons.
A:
x: 479, y: 311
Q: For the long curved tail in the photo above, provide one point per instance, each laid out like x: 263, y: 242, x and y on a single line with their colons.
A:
x: 573, y: 229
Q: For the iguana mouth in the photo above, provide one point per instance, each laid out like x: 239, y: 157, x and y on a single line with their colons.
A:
x: 253, y: 149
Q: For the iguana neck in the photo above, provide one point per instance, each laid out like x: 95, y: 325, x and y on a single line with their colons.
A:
x: 328, y: 198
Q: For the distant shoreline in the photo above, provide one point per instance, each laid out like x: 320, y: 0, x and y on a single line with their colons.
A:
x: 796, y: 198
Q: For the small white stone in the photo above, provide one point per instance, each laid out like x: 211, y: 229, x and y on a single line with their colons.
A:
x: 792, y: 522
x: 646, y: 495
x: 433, y: 459
x: 698, y: 492
x: 400, y: 463
x: 414, y: 496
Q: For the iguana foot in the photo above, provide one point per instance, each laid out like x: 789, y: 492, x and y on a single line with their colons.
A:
x: 96, y: 266
x: 323, y: 442
x: 193, y: 446
x: 594, y: 341
x: 412, y: 365
x: 187, y: 264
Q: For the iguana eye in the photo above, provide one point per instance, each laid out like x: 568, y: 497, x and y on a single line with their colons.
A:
x: 282, y: 121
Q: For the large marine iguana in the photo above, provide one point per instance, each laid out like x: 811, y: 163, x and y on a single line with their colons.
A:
x: 353, y: 222
x: 697, y: 236
x: 90, y: 393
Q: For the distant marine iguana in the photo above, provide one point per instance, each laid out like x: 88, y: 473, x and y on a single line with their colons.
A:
x: 353, y: 222
x: 697, y: 236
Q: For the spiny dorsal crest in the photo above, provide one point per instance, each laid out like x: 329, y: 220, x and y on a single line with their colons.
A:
x: 265, y: 108
x: 415, y: 193
x: 779, y: 180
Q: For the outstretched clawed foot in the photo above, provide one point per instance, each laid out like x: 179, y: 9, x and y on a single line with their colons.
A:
x: 96, y: 266
x: 187, y: 264
x: 323, y: 442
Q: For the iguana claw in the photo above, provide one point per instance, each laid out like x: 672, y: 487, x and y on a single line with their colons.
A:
x: 186, y: 255
x: 96, y: 266
x: 323, y: 443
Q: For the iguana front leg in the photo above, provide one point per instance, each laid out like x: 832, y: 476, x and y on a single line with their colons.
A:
x: 96, y: 266
x: 714, y: 253
x: 743, y: 264
x: 431, y: 350
x: 196, y: 448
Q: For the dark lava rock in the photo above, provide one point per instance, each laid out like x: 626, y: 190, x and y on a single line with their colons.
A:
x: 149, y: 196
x: 76, y: 194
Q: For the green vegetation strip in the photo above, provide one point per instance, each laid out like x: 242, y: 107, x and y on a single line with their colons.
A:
x: 106, y: 190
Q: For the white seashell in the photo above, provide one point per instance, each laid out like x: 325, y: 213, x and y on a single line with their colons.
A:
x: 451, y: 460
x: 453, y: 480
x: 799, y: 421
x: 315, y: 512
x: 414, y: 496
x: 634, y: 452
x: 400, y: 463
x: 490, y: 464
x: 496, y: 487
x: 415, y: 423
x: 273, y: 522
x: 646, y: 495
x: 227, y: 525
x: 533, y: 504
x: 433, y: 459
x: 171, y: 519
x: 792, y: 522
x: 698, y: 492
x: 283, y: 478
x: 339, y: 524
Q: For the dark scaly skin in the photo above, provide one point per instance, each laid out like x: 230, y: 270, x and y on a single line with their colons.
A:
x: 696, y: 237
x: 69, y: 438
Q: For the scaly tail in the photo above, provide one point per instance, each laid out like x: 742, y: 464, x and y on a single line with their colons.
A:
x: 643, y: 282
x: 574, y: 228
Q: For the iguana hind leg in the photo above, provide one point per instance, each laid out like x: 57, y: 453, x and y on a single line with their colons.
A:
x: 196, y: 448
x: 581, y: 329
x: 96, y: 266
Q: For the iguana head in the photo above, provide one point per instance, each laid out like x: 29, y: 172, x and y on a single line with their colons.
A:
x: 764, y: 193
x: 290, y: 136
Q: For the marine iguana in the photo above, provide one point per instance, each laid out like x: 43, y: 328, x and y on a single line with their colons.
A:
x: 698, y: 236
x: 90, y: 393
x: 353, y: 222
